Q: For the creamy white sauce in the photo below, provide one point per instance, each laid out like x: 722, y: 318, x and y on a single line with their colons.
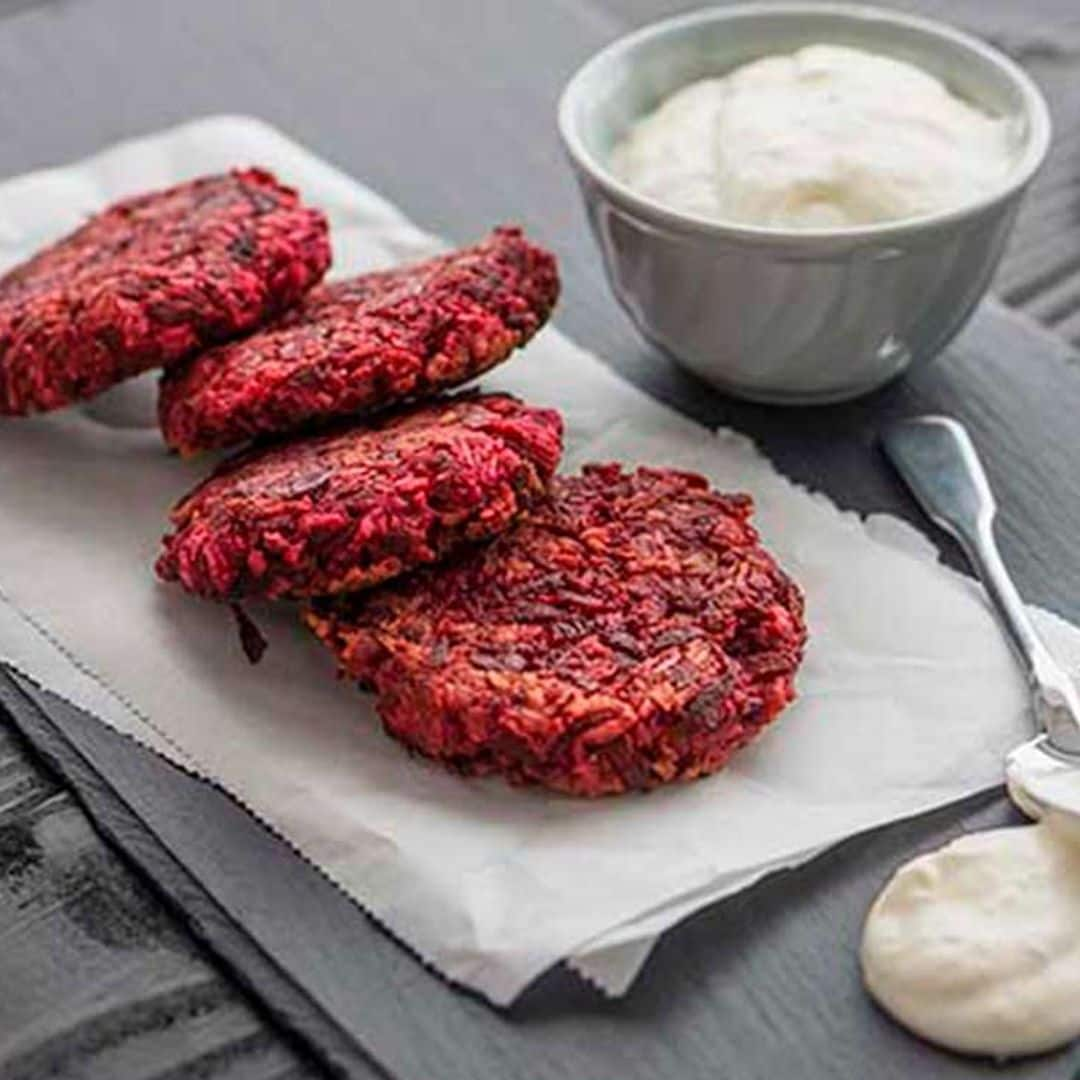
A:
x: 977, y: 946
x: 1037, y: 780
x: 827, y: 137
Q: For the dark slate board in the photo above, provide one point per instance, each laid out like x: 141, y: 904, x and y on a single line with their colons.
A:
x: 451, y: 116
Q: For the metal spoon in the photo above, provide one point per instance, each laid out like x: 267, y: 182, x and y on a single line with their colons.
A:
x: 937, y: 460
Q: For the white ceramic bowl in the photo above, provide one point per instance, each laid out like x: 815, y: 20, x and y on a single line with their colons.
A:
x: 793, y: 317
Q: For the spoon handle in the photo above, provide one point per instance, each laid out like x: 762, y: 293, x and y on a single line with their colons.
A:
x: 937, y: 460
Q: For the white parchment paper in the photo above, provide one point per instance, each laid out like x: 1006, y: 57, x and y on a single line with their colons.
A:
x: 908, y: 697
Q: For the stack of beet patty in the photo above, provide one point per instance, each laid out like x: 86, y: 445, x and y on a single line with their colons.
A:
x: 594, y: 633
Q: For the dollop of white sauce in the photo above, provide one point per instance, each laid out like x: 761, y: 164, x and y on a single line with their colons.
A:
x: 976, y: 946
x: 827, y: 137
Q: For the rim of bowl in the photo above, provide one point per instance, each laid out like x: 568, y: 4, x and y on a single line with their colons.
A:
x: 1035, y: 112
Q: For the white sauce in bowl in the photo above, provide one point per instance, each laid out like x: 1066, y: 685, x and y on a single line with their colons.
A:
x: 827, y: 137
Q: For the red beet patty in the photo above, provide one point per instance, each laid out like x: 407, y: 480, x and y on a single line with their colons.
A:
x: 630, y: 631
x: 152, y: 280
x: 357, y: 346
x: 349, y: 509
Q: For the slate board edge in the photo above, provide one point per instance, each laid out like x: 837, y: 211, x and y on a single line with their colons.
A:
x: 270, y: 987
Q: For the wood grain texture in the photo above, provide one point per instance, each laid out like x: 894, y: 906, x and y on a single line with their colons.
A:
x: 98, y: 979
x: 448, y: 110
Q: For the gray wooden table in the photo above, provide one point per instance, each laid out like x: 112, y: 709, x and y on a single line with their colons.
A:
x: 447, y: 108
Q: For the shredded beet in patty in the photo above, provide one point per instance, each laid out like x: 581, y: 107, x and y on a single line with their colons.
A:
x: 151, y: 281
x: 350, y: 509
x: 629, y: 632
x: 357, y: 346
